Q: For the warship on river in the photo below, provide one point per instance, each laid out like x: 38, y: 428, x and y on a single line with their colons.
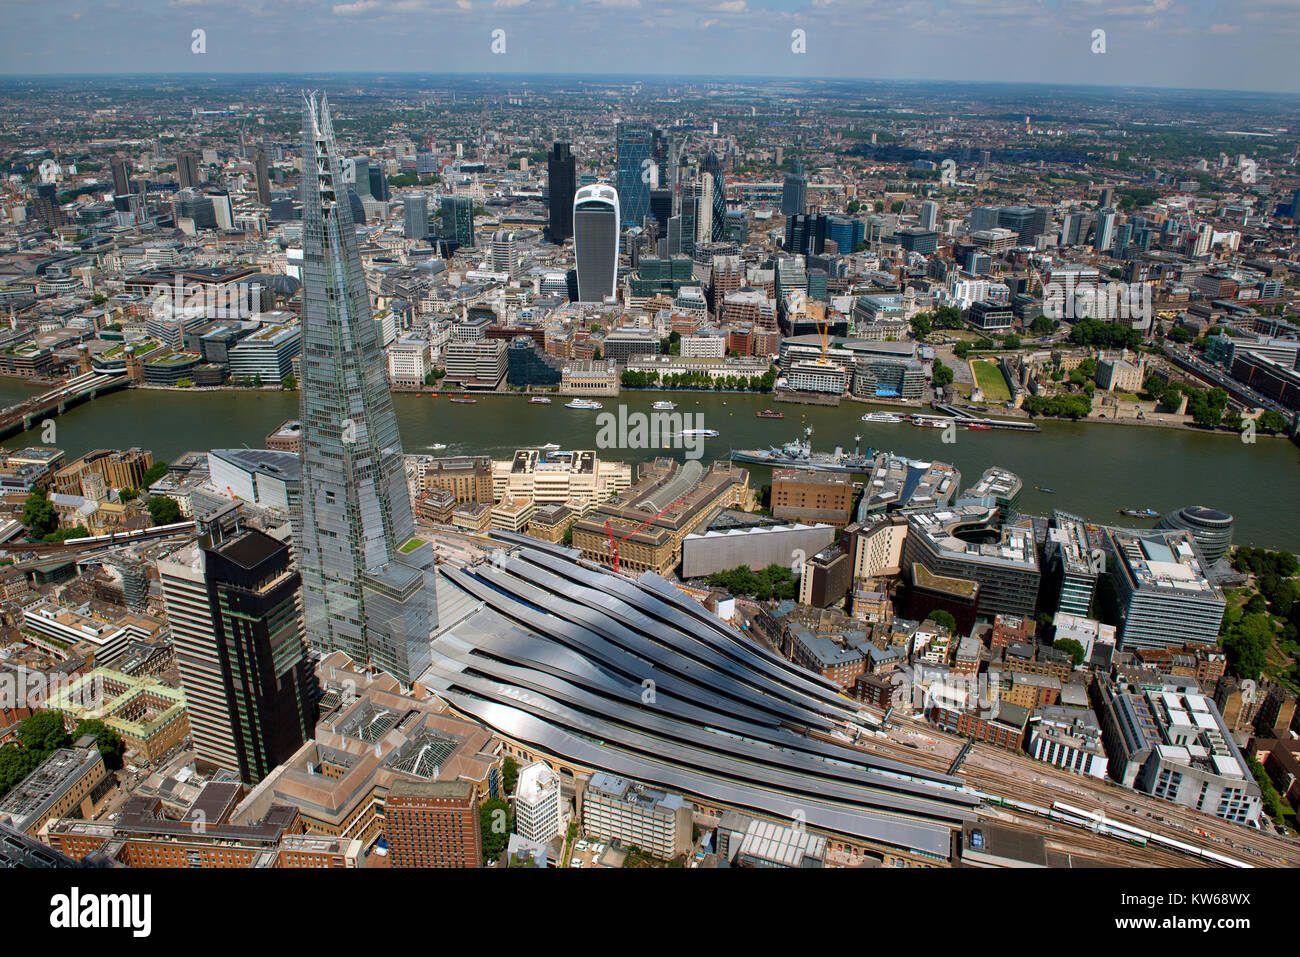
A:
x: 799, y: 454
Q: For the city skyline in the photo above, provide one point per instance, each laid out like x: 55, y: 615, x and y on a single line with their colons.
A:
x: 1022, y: 41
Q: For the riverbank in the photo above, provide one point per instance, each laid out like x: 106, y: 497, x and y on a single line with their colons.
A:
x: 1094, y: 470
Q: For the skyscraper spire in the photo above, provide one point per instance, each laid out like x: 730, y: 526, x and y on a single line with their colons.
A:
x: 360, y: 594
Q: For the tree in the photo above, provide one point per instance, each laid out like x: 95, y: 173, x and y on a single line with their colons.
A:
x: 63, y: 534
x: 494, y: 825
x: 941, y: 617
x: 184, y: 383
x: 155, y: 472
x: 1042, y: 326
x: 1011, y: 341
x: 942, y: 374
x: 107, y: 740
x: 289, y: 382
x: 961, y: 350
x: 38, y: 513
x: 921, y: 326
x: 15, y: 764
x: 164, y: 510
x: 1247, y: 644
x: 128, y: 494
x: 509, y: 775
x: 1073, y: 647
x: 43, y: 732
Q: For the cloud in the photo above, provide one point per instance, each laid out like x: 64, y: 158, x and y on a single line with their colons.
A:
x: 353, y: 9
x: 1225, y: 28
x: 731, y: 6
x: 509, y: 4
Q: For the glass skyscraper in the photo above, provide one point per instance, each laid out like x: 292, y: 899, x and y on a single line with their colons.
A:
x: 718, y: 220
x: 635, y: 147
x: 361, y: 594
x: 595, y: 241
x: 561, y: 178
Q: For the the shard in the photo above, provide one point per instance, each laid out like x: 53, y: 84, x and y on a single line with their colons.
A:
x: 362, y: 592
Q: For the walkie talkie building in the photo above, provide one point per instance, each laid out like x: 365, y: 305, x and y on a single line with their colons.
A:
x: 360, y: 594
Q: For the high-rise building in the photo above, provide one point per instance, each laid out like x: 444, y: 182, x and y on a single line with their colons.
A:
x: 661, y: 208
x: 562, y: 183
x: 712, y: 166
x: 415, y: 216
x: 1104, y: 237
x: 356, y: 173
x: 378, y: 184
x: 794, y: 193
x: 458, y: 220
x: 236, y: 619
x: 635, y: 143
x: 187, y: 170
x: 596, y: 222
x: 929, y: 214
x: 360, y: 594
x: 121, y: 184
x: 704, y: 220
x: 539, y: 803
x: 263, y: 178
x: 505, y: 255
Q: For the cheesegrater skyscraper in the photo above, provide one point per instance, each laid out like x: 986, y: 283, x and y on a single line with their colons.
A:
x: 361, y: 593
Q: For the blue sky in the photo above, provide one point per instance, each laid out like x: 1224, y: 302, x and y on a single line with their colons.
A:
x: 1221, y: 44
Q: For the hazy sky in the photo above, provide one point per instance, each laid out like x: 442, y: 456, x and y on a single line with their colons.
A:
x: 1224, y: 44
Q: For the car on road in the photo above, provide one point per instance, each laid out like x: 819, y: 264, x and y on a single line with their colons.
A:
x: 576, y: 862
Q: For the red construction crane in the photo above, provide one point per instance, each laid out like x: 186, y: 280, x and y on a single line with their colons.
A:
x: 613, y: 545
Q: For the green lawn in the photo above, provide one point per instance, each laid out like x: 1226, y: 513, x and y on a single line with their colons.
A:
x: 410, y: 545
x: 990, y: 379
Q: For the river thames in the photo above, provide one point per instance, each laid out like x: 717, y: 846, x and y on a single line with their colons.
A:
x: 1094, y: 468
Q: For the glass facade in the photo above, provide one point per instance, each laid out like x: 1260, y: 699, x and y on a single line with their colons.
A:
x: 356, y: 510
x: 635, y: 148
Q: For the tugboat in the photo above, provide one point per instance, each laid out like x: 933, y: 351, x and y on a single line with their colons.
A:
x: 1139, y: 512
x: 769, y: 414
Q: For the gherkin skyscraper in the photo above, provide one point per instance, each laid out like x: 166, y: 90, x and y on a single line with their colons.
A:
x: 361, y: 594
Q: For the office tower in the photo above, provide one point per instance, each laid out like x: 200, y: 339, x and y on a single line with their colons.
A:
x: 596, y: 223
x: 458, y: 220
x: 539, y: 804
x: 1107, y: 198
x: 236, y: 618
x: 1295, y: 204
x: 263, y: 178
x: 1204, y: 240
x: 378, y: 184
x: 929, y: 214
x: 635, y: 148
x: 704, y: 220
x: 1123, y: 236
x: 360, y: 594
x: 1161, y: 595
x: 661, y: 208
x: 505, y: 256
x: 432, y: 824
x: 121, y: 184
x: 1105, y: 235
x: 673, y: 240
x: 415, y: 216
x: 982, y: 217
x: 718, y: 215
x: 187, y: 170
x: 356, y: 173
x: 561, y: 178
x: 794, y: 192
x: 1072, y: 231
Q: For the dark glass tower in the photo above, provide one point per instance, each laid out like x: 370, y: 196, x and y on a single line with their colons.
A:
x: 635, y: 152
x: 360, y: 594
x: 713, y: 166
x: 595, y: 241
x: 258, y: 642
x: 263, y: 178
x: 562, y: 182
